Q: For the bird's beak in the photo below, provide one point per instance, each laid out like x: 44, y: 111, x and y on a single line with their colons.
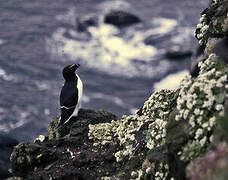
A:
x: 75, y: 66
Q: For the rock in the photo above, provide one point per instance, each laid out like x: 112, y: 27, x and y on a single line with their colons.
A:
x: 29, y: 156
x: 157, y: 39
x: 120, y: 18
x: 79, y: 125
x: 177, y: 55
x: 216, y: 46
x: 176, y: 52
x: 6, y: 147
x: 213, y: 22
x: 67, y: 157
x: 212, y: 166
x: 85, y: 22
x: 197, y: 57
x: 41, y: 138
x: 6, y: 141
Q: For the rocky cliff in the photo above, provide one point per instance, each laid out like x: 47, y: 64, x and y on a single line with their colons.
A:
x: 176, y: 135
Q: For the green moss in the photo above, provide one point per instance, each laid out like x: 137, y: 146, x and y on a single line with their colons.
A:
x: 191, y: 150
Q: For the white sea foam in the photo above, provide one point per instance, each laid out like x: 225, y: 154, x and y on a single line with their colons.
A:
x: 2, y: 73
x: 171, y: 81
x: 162, y: 26
x: 85, y: 99
x: 115, y: 100
x: 2, y: 42
x: 104, y: 48
x: 133, y: 110
x: 105, y: 51
x: 42, y: 86
x: 6, y: 126
x: 6, y: 77
x: 47, y: 111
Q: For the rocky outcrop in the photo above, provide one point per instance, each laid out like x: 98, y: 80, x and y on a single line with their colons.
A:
x: 177, y: 55
x: 213, y: 22
x: 213, y: 166
x: 120, y: 18
x: 174, y: 136
x: 60, y: 157
x: 84, y: 23
x: 6, y: 148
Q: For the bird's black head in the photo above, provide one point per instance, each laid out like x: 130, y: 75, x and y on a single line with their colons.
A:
x: 69, y: 71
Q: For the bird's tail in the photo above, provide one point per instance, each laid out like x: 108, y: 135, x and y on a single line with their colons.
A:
x: 60, y: 125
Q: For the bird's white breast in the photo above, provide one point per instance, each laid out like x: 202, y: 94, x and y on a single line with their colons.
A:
x: 80, y: 92
x: 80, y: 88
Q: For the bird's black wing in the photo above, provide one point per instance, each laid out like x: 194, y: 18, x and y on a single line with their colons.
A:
x: 68, y: 100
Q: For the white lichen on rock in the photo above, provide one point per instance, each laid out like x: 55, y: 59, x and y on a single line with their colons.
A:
x: 109, y: 178
x: 155, y: 111
x: 158, y: 171
x: 213, y: 24
x: 128, y: 126
x: 103, y: 133
x: 199, y: 102
x: 41, y: 138
x: 157, y: 106
x: 156, y: 134
x: 203, y: 28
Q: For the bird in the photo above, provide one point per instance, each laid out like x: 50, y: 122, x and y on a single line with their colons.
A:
x: 71, y: 94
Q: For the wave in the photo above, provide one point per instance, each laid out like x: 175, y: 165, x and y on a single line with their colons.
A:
x: 171, y: 81
x: 110, y: 50
x: 6, y: 126
x: 7, y: 77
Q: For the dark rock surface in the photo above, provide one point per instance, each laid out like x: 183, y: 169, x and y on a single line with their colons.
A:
x: 177, y: 55
x: 6, y: 141
x: 6, y: 148
x: 78, y: 126
x: 85, y: 22
x: 198, y: 56
x: 70, y: 157
x: 157, y: 39
x: 121, y: 18
x: 75, y: 156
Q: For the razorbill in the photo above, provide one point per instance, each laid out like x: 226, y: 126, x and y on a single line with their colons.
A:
x: 71, y: 94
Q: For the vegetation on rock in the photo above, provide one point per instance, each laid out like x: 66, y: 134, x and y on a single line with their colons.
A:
x: 173, y: 130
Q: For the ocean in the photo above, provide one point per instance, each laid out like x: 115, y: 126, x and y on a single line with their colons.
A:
x: 120, y: 67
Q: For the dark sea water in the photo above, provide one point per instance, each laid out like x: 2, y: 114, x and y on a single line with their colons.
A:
x: 39, y: 37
